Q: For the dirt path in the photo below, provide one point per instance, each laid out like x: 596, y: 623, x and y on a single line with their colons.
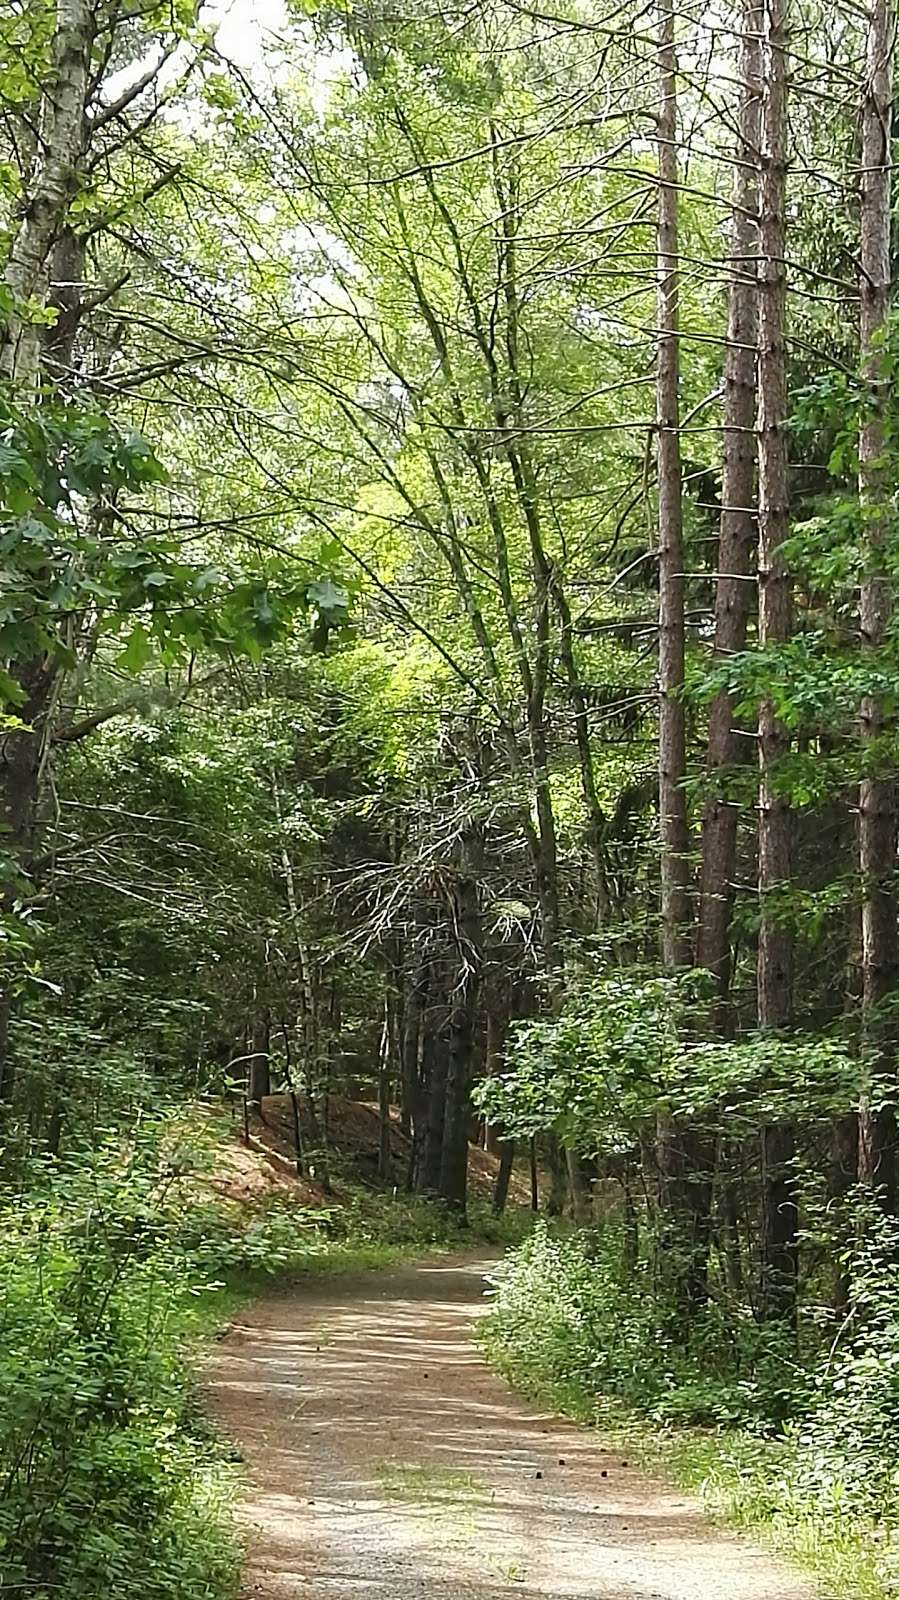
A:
x: 385, y: 1462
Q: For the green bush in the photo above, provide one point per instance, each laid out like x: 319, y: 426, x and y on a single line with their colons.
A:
x: 110, y: 1263
x: 108, y: 1486
x: 574, y: 1315
x: 847, y: 1456
x: 220, y: 1237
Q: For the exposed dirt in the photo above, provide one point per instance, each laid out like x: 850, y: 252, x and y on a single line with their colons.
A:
x: 386, y: 1462
x: 269, y: 1164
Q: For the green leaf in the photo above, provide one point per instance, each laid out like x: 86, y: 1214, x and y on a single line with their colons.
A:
x: 138, y: 650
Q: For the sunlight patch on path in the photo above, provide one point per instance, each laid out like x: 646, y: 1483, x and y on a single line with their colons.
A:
x: 385, y: 1462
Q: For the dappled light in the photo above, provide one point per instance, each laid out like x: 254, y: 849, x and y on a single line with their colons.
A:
x: 385, y: 1461
x: 449, y: 799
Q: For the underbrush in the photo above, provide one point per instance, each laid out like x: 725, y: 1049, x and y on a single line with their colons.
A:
x: 113, y: 1264
x: 110, y: 1486
x: 805, y: 1451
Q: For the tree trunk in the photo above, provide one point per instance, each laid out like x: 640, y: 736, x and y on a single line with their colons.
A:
x: 672, y: 726
x: 595, y: 819
x: 842, y: 1174
x: 555, y: 1200
x: 52, y: 188
x: 684, y: 1192
x: 259, y: 1082
x: 779, y: 1242
x: 23, y: 756
x: 877, y: 800
x: 733, y: 591
x: 384, y: 1167
x: 493, y: 1051
x: 579, y: 1188
x: 436, y: 1051
x: 39, y: 224
x: 465, y: 920
x: 299, y: 1154
x: 685, y: 1158
x: 503, y: 1176
x: 416, y: 992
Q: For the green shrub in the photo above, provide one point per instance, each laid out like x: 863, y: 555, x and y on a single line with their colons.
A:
x: 220, y: 1237
x: 575, y: 1315
x: 111, y: 1262
x: 847, y: 1456
x: 107, y: 1486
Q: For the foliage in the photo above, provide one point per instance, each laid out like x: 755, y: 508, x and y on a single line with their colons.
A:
x: 63, y: 468
x: 624, y: 1048
x: 578, y: 1317
x: 329, y: 663
x: 113, y: 1264
x: 803, y: 1452
x: 108, y: 1485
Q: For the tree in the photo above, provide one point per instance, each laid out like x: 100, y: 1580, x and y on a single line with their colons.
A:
x: 736, y: 539
x: 775, y: 977
x: 876, y: 805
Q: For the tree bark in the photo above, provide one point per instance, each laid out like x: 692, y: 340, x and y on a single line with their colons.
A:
x: 384, y: 1064
x: 733, y: 592
x: 259, y: 1083
x: 779, y: 1242
x: 414, y: 1002
x: 602, y: 901
x: 684, y: 1189
x: 465, y: 919
x: 436, y: 1051
x: 493, y: 1051
x: 579, y: 1188
x: 673, y: 824
x: 503, y: 1177
x: 877, y: 799
x: 53, y: 186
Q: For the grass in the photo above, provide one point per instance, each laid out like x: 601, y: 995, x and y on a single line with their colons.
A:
x: 426, y: 1484
x: 745, y: 1481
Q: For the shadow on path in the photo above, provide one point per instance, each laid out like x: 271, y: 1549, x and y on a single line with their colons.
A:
x: 386, y: 1462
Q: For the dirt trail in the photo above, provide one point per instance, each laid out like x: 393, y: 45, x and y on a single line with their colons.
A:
x: 385, y: 1462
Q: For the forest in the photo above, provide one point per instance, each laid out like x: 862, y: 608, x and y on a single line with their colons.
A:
x: 449, y: 664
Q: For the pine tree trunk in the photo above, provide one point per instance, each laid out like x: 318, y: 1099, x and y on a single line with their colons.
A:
x: 465, y: 918
x: 734, y: 591
x: 413, y: 1005
x: 495, y: 1024
x: 602, y: 902
x: 259, y: 1084
x: 877, y: 801
x: 684, y: 1190
x: 779, y: 1248
x: 436, y: 1064
x: 672, y: 727
x: 384, y: 1064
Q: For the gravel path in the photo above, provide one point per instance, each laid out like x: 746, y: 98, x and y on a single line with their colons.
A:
x: 385, y: 1462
